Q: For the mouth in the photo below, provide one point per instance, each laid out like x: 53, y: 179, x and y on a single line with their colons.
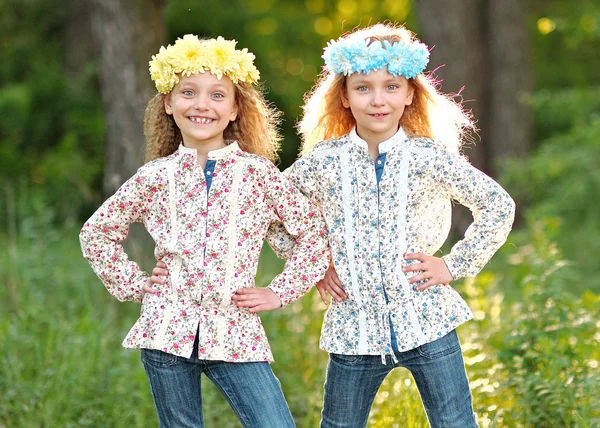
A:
x: 379, y: 115
x: 201, y: 120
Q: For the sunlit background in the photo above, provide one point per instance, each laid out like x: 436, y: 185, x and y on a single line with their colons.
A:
x: 73, y: 85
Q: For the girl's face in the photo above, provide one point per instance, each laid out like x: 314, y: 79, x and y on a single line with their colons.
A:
x: 202, y: 107
x: 377, y: 101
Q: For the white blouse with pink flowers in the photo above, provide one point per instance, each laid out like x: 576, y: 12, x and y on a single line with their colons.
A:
x: 210, y: 242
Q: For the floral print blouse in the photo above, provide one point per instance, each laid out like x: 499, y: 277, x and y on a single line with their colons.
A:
x: 210, y: 243
x: 372, y: 224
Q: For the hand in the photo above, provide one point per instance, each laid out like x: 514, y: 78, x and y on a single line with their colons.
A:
x: 433, y: 269
x: 256, y: 299
x: 331, y: 284
x: 159, y: 276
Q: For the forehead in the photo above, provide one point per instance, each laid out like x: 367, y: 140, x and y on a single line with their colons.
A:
x: 206, y: 80
x: 377, y: 76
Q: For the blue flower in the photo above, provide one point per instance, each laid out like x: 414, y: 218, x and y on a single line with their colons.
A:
x: 396, y: 58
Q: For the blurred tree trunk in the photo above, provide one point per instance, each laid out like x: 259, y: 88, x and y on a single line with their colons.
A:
x: 127, y: 33
x: 485, y: 46
x: 454, y: 31
x: 510, y: 71
x: 80, y: 48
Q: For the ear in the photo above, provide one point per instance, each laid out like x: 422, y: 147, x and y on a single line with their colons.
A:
x: 167, y: 103
x: 344, y: 97
x: 234, y: 112
x: 409, y: 94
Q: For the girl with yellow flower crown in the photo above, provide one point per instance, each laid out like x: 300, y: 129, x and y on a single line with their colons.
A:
x: 384, y: 178
x: 207, y: 197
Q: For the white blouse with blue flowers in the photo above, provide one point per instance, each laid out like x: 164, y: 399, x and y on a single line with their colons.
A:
x: 376, y: 215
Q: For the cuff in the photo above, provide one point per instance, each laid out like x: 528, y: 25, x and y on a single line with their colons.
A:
x: 452, y: 266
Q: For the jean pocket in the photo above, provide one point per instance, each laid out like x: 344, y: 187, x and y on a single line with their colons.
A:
x: 346, y: 360
x: 158, y: 358
x: 443, y: 346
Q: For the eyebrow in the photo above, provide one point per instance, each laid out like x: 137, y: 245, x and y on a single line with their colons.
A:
x: 216, y: 86
x: 363, y: 81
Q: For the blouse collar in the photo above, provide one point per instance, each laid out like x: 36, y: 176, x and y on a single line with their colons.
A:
x: 384, y: 146
x: 213, y: 154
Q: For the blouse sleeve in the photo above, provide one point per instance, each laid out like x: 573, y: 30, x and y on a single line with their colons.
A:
x: 493, y: 213
x: 301, y: 224
x: 278, y: 237
x: 101, y: 238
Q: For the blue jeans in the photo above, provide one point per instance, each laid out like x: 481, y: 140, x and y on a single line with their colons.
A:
x: 251, y: 389
x: 439, y: 372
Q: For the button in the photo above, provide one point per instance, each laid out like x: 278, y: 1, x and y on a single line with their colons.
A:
x: 208, y: 172
x: 379, y: 162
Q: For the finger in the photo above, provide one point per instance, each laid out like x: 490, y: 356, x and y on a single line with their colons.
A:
x: 248, y: 303
x: 336, y: 279
x: 246, y: 297
x: 262, y: 308
x: 419, y: 277
x: 247, y: 291
x: 323, y: 294
x: 148, y: 289
x: 425, y: 286
x: 161, y: 265
x: 414, y: 267
x: 414, y: 256
x: 336, y: 293
x: 157, y: 280
x: 160, y: 272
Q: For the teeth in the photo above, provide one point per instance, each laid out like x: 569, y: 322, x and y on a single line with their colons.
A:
x: 203, y: 120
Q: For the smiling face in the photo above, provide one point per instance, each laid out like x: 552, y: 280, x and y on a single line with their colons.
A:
x: 202, y: 107
x: 377, y: 101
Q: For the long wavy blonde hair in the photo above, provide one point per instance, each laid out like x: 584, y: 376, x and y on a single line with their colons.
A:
x: 255, y: 127
x: 431, y: 113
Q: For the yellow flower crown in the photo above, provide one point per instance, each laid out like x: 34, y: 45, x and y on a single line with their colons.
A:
x: 191, y: 55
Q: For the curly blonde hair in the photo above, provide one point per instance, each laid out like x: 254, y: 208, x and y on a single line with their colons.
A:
x: 256, y: 127
x: 431, y: 113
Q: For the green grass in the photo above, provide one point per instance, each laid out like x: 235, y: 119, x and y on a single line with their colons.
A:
x: 62, y: 364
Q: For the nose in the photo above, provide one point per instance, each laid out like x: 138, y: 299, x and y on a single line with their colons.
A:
x: 201, y: 102
x: 377, y: 99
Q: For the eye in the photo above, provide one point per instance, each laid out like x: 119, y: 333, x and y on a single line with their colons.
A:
x: 218, y: 95
x: 392, y: 87
x: 188, y: 92
x: 362, y: 88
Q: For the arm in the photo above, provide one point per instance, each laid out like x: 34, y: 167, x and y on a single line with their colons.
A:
x: 493, y: 213
x: 101, y: 238
x: 302, y: 221
x: 278, y: 237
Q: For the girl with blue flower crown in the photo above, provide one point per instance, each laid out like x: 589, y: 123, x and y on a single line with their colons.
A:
x: 381, y: 158
x: 207, y: 197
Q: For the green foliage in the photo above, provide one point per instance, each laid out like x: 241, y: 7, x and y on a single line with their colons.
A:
x: 51, y: 125
x: 561, y: 179
x: 531, y: 353
x: 565, y: 43
x: 551, y: 349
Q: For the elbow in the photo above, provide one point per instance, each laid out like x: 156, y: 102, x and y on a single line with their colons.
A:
x: 512, y: 209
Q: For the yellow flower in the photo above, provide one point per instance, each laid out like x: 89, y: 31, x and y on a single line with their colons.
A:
x: 220, y: 56
x: 187, y: 55
x: 162, y: 72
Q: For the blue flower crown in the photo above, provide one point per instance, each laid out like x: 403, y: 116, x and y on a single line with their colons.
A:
x: 357, y: 56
